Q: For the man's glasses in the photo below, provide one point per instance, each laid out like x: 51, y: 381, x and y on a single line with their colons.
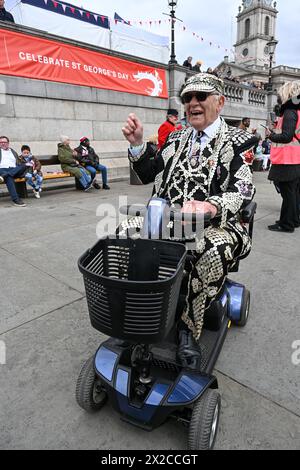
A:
x: 199, y: 95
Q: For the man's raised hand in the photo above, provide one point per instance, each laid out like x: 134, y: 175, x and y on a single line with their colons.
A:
x: 133, y: 130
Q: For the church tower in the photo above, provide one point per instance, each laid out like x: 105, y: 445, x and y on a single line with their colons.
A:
x: 256, y: 26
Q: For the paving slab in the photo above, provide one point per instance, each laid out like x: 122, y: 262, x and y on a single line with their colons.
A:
x: 48, y: 334
x: 27, y: 293
x: 44, y: 358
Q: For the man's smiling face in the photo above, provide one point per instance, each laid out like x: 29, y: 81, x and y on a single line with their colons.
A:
x: 201, y: 114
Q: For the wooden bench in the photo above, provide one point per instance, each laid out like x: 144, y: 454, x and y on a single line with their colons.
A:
x: 46, y: 160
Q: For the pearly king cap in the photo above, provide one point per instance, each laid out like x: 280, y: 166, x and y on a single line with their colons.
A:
x: 204, y: 82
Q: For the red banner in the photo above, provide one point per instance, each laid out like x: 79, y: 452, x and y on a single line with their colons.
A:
x: 33, y: 57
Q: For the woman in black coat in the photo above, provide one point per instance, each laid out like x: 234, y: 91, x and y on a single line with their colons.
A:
x: 286, y: 177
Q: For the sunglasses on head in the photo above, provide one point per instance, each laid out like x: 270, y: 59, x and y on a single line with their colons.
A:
x: 199, y: 95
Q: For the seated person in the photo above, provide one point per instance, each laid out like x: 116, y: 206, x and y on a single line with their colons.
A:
x: 88, y: 158
x: 10, y: 168
x: 33, y: 175
x: 203, y: 168
x: 259, y: 155
x: 70, y: 164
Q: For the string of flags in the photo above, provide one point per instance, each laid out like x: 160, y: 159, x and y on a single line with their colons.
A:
x: 72, y: 9
x: 149, y: 22
x: 180, y: 26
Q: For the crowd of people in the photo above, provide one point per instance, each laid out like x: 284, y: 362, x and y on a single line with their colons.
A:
x: 248, y: 83
x: 188, y: 63
x: 82, y: 162
x: 224, y: 74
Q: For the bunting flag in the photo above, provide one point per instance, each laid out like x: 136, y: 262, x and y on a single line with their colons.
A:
x: 182, y: 27
x: 67, y: 9
x: 118, y: 18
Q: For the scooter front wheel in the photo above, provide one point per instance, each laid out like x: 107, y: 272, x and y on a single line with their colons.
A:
x: 205, y: 421
x: 90, y: 394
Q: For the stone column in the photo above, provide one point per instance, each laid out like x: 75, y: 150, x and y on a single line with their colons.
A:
x: 177, y: 75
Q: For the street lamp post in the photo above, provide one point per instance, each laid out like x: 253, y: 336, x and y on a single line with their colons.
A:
x: 272, y: 46
x: 172, y: 6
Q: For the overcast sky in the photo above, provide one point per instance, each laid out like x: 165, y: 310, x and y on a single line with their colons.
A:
x: 214, y: 20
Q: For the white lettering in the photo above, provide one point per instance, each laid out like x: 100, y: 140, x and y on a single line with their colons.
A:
x: 111, y: 460
x: 296, y: 354
x: 2, y: 353
x: 107, y: 226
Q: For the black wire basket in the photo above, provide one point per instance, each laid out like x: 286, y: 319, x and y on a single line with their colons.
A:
x: 132, y: 287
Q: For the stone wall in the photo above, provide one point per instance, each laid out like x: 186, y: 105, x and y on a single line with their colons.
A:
x: 37, y: 112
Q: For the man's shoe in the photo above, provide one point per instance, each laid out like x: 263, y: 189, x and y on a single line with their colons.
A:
x: 1, y: 179
x: 36, y: 194
x: 105, y: 186
x: 188, y: 352
x: 96, y: 185
x: 278, y: 228
x: 295, y: 225
x: 19, y: 203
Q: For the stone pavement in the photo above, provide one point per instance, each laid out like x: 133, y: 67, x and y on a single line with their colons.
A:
x: 45, y: 327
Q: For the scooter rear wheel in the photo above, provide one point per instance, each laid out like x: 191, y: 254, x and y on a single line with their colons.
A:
x: 205, y: 421
x: 89, y: 392
x: 245, y: 309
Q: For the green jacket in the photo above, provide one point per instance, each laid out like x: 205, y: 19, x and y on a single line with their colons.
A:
x: 68, y: 161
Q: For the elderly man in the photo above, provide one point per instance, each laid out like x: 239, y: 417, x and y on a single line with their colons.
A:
x: 204, y: 168
x: 5, y: 15
x: 70, y: 164
x: 10, y: 168
x: 169, y: 126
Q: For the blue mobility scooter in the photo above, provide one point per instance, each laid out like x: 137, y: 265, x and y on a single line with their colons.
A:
x: 135, y: 292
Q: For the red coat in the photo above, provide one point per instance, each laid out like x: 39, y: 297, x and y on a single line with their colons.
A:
x: 164, y: 131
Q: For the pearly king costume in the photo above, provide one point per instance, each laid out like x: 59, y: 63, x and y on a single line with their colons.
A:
x: 217, y: 172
